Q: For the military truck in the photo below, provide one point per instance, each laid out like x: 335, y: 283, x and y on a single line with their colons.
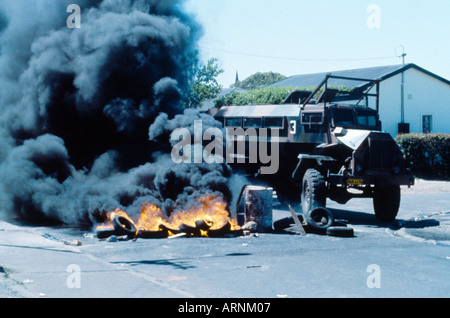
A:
x: 329, y: 148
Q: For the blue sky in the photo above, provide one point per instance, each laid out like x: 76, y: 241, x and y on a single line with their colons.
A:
x: 308, y: 36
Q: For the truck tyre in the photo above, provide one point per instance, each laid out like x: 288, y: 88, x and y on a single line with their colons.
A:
x: 386, y: 202
x: 313, y: 191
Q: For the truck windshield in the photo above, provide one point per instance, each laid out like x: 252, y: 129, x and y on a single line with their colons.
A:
x: 344, y: 118
x: 366, y: 118
x: 355, y: 118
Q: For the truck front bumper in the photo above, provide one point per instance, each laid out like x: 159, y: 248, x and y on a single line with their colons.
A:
x: 382, y: 180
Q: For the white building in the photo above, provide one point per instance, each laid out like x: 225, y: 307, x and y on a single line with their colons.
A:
x: 422, y: 106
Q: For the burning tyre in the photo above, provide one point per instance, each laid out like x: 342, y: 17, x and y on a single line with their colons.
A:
x: 163, y: 233
x: 124, y: 226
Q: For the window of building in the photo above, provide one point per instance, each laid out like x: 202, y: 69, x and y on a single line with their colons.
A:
x: 427, y: 124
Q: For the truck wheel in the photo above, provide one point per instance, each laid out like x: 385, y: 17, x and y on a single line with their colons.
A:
x: 313, y: 191
x: 386, y: 202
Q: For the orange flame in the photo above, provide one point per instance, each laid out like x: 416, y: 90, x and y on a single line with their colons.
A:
x: 210, y: 209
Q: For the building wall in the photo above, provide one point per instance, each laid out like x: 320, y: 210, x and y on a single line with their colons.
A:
x: 424, y: 96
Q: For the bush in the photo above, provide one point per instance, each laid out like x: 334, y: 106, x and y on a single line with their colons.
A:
x: 427, y: 155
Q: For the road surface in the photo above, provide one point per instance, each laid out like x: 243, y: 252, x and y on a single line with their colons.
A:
x: 408, y: 258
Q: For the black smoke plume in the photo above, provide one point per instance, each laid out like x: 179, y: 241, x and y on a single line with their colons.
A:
x: 76, y: 106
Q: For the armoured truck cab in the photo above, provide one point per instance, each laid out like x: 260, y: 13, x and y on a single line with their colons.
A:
x: 326, y: 149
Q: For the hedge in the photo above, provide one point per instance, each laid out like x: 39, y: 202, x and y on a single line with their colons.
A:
x: 427, y: 155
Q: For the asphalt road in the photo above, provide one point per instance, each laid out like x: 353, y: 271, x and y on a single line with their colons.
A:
x: 409, y: 258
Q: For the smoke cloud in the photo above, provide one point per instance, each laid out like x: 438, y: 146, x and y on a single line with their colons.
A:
x: 85, y: 114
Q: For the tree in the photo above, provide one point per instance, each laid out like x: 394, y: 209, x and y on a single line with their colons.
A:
x: 263, y: 96
x: 204, y: 85
x: 260, y: 80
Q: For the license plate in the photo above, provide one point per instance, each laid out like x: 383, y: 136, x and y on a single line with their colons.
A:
x: 355, y: 181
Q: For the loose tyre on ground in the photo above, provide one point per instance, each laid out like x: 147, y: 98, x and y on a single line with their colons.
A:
x: 340, y: 231
x: 284, y: 223
x: 319, y: 220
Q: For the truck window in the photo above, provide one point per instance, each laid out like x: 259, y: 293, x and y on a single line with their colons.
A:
x: 343, y: 118
x: 233, y: 122
x: 252, y: 122
x: 367, y: 120
x: 312, y: 118
x: 273, y: 122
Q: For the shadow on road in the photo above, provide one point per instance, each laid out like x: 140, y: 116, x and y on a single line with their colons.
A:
x: 176, y: 263
x: 357, y: 217
x: 363, y: 218
x: 166, y: 262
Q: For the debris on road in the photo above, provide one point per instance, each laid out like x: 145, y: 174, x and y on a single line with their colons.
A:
x: 73, y: 243
x: 340, y: 231
x: 52, y: 238
x: 254, y: 266
x: 258, y: 208
x: 182, y: 234
x: 251, y: 226
x: 297, y: 221
x: 318, y: 220
x: 115, y: 238
x: 258, y: 214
